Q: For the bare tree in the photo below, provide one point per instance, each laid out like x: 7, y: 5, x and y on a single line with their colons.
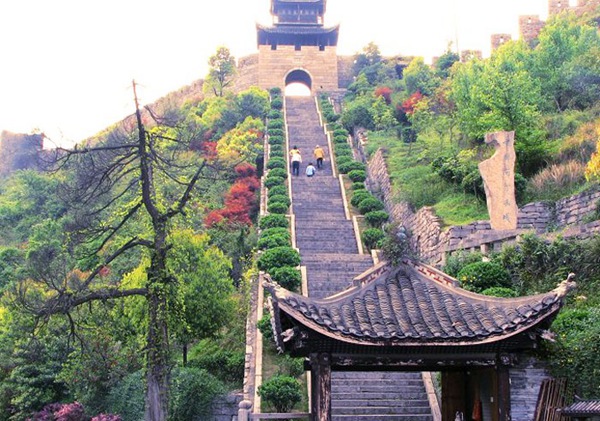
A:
x: 116, y: 184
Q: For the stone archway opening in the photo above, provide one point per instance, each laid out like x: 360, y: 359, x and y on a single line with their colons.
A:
x: 298, y: 83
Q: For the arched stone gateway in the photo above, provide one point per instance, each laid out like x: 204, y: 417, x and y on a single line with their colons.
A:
x: 298, y: 38
x: 299, y: 76
x: 298, y: 82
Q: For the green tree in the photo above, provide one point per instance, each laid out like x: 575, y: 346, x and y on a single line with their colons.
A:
x: 566, y: 63
x: 221, y: 71
x: 128, y: 197
x: 419, y: 77
x: 206, y: 295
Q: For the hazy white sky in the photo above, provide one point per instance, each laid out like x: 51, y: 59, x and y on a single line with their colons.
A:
x: 67, y: 65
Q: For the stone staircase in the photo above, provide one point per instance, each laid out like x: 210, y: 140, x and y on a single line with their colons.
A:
x: 329, y: 251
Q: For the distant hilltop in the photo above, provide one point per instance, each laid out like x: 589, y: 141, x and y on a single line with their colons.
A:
x: 19, y: 151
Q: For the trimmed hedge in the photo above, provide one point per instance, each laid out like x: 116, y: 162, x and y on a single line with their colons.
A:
x: 372, y: 237
x: 351, y: 165
x: 276, y: 140
x: 275, y: 231
x: 360, y: 195
x: 276, y: 162
x: 272, y: 241
x: 480, y: 276
x: 343, y: 159
x: 357, y: 175
x: 276, y: 151
x: 358, y: 186
x: 273, y: 221
x: 340, y: 140
x: 369, y: 205
x: 274, y: 181
x: 277, y: 191
x: 278, y: 172
x: 376, y: 218
x: 288, y: 277
x: 278, y: 257
x: 275, y: 91
x: 280, y: 198
x: 277, y: 207
x: 341, y: 132
x: 276, y: 123
x: 277, y: 103
x: 274, y: 114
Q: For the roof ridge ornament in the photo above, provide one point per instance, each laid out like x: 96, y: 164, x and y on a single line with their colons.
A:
x: 566, y: 286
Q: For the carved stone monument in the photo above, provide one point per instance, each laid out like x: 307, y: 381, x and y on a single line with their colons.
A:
x: 498, y: 173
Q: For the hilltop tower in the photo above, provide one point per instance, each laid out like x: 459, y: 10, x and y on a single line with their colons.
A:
x: 298, y: 47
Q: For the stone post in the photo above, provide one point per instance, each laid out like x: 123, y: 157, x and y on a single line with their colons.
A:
x: 498, y: 173
x: 244, y: 410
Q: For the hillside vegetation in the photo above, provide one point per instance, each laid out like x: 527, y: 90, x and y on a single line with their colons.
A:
x: 430, y: 122
x: 125, y: 266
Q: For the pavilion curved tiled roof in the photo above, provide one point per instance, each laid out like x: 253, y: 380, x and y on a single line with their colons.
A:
x: 405, y: 307
x: 297, y: 29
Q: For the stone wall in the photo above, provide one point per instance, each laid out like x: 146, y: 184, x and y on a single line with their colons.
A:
x: 225, y: 408
x: 247, y: 73
x: 525, y: 381
x: 275, y: 65
x: 432, y: 241
x: 19, y: 151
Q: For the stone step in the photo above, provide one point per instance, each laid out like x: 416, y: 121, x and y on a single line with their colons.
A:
x: 377, y: 417
x: 363, y: 409
x: 399, y: 392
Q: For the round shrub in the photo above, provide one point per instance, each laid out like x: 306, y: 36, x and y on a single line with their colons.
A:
x: 278, y: 191
x: 372, y: 237
x: 274, y: 181
x: 275, y: 91
x: 370, y: 204
x: 340, y: 140
x: 357, y: 175
x: 276, y: 140
x: 274, y: 114
x: 342, y: 148
x: 226, y: 364
x: 192, y: 393
x: 275, y: 231
x: 277, y: 207
x: 502, y: 292
x: 340, y: 132
x: 273, y: 241
x: 344, y: 153
x: 276, y: 151
x: 273, y: 221
x: 277, y: 103
x: 288, y: 277
x: 281, y: 392
x: 376, y: 218
x: 280, y: 198
x: 358, y: 186
x: 358, y: 196
x: 275, y: 131
x: 343, y: 159
x: 276, y: 162
x: 277, y: 123
x: 483, y: 275
x: 278, y: 257
x: 278, y: 172
x: 126, y: 398
x: 351, y: 165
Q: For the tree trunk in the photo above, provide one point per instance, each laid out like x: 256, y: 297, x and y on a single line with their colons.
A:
x: 157, y: 365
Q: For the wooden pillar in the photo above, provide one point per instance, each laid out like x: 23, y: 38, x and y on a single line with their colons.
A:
x: 320, y: 369
x: 503, y: 393
x: 453, y: 394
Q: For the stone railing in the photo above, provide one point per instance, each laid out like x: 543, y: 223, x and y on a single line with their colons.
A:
x: 432, y: 241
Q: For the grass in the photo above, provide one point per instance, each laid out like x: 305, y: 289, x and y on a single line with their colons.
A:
x: 414, y: 181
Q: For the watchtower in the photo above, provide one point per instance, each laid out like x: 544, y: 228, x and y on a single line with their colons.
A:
x: 298, y: 47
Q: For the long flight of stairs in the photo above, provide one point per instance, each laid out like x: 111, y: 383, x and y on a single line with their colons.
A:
x: 329, y: 251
